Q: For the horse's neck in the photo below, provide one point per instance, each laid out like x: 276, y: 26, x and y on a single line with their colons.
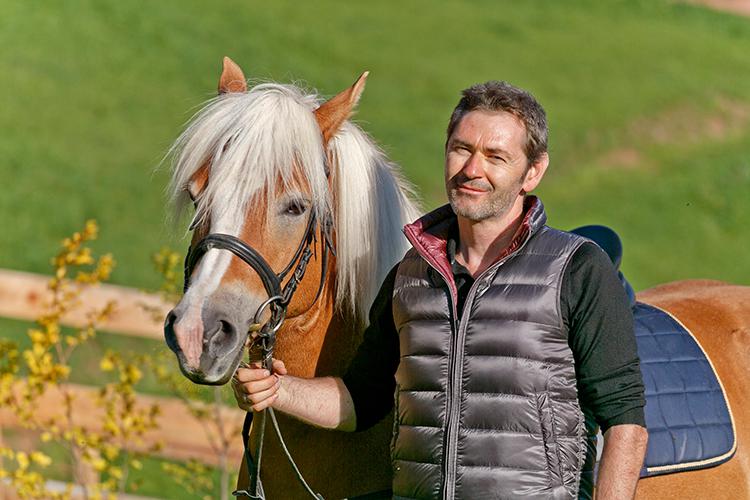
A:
x: 319, y: 342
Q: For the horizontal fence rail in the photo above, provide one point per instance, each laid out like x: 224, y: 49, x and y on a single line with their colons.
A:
x: 23, y: 295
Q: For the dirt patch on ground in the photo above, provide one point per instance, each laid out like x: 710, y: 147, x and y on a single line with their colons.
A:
x: 741, y: 7
x: 689, y: 124
x: 621, y: 158
x: 683, y: 125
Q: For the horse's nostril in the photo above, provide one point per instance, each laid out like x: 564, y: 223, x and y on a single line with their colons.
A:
x: 229, y: 331
x: 223, y: 332
x: 169, y: 334
x: 169, y: 320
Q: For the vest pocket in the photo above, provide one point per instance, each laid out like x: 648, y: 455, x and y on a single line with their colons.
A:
x: 394, y: 432
x: 549, y: 438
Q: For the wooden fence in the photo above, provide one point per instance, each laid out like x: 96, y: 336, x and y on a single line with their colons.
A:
x: 23, y: 295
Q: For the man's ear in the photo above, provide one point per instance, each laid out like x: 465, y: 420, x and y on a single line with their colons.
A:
x: 535, y: 173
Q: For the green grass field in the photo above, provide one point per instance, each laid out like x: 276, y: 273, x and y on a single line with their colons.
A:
x: 648, y: 103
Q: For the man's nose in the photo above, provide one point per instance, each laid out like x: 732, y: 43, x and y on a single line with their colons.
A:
x: 473, y: 166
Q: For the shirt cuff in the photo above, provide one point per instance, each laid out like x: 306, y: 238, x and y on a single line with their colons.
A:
x: 632, y: 416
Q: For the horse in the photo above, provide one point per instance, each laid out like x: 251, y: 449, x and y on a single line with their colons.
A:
x: 718, y: 315
x: 288, y: 175
x: 290, y: 178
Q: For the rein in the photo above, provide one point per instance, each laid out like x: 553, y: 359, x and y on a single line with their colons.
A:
x: 277, y: 303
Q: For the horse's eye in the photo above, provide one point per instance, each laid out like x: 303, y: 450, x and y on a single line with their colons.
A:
x: 295, y: 207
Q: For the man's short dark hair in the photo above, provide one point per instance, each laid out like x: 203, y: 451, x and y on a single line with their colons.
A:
x: 502, y: 96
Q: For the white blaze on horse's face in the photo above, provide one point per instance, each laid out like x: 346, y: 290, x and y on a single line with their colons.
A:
x: 237, y: 192
x: 189, y: 324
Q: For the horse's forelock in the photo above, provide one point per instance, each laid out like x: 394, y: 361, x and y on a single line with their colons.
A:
x: 252, y: 140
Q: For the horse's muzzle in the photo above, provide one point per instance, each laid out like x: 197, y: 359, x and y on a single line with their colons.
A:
x: 208, y: 355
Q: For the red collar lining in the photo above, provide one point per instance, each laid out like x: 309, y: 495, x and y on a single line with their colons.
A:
x: 429, y: 236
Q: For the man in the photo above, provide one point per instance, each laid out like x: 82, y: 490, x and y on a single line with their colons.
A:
x: 506, y: 341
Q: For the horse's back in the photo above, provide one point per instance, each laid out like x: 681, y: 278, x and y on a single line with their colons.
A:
x: 718, y: 315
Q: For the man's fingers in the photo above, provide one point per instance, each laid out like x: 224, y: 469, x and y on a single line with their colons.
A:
x: 260, y: 385
x: 257, y: 400
x: 256, y: 371
x: 265, y: 404
x: 279, y: 367
x: 240, y: 396
x: 251, y: 374
x: 260, y: 396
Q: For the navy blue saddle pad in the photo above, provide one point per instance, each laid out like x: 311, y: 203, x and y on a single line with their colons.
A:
x: 689, y: 423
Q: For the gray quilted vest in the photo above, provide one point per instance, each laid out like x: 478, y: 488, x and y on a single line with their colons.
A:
x: 487, y: 406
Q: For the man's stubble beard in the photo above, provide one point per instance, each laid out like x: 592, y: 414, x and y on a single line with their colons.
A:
x: 494, y: 204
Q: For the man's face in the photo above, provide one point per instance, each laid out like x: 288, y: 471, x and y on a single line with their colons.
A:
x: 485, y: 164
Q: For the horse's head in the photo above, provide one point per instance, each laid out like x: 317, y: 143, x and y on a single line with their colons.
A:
x: 256, y: 166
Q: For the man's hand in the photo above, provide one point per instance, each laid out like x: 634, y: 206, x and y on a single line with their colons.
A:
x: 255, y: 389
x: 622, y: 459
x: 323, y: 401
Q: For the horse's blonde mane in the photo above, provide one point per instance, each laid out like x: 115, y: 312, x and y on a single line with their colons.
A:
x: 254, y: 139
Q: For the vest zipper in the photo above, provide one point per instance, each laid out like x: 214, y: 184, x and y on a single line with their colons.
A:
x: 455, y: 381
x: 454, y: 397
x: 448, y: 444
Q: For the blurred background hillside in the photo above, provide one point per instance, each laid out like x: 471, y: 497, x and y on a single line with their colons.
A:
x: 648, y: 101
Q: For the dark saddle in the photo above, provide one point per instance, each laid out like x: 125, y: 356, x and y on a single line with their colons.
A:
x: 688, y: 418
x: 610, y: 242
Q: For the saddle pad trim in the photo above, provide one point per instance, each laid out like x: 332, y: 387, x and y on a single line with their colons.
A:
x: 663, y: 469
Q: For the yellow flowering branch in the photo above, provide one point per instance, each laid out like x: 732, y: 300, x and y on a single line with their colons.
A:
x: 25, y: 375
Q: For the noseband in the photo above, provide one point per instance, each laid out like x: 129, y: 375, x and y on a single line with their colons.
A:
x: 279, y: 297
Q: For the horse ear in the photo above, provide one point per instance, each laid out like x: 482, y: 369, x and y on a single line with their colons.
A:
x: 334, y: 112
x: 232, y: 79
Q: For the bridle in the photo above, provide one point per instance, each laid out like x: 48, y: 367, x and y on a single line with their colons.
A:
x: 279, y: 297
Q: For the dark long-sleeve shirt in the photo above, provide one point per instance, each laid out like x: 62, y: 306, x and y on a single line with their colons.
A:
x: 595, y: 310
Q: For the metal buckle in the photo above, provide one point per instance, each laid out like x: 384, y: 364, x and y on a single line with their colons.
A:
x: 277, y: 314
